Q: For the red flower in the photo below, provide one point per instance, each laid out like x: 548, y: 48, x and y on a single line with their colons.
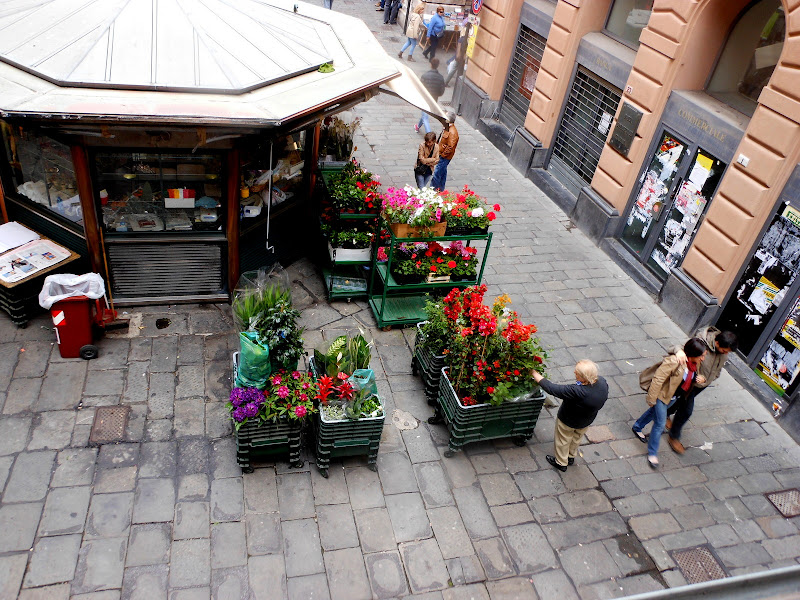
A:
x: 452, y: 264
x: 516, y: 371
x: 434, y: 268
x: 490, y: 389
x: 491, y: 216
x: 496, y: 207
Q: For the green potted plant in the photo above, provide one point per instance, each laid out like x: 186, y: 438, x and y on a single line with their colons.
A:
x: 268, y: 422
x: 350, y: 244
x: 430, y: 344
x: 354, y: 190
x: 414, y: 212
x: 468, y: 213
x: 351, y: 414
x: 278, y: 330
x: 486, y: 391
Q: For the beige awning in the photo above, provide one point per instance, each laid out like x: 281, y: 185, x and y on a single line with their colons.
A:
x: 408, y: 87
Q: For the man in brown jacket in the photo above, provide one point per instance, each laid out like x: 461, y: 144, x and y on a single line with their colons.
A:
x: 447, y: 149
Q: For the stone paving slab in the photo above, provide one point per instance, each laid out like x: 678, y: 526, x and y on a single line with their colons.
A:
x: 167, y: 512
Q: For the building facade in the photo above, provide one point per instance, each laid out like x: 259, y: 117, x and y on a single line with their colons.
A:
x: 670, y: 133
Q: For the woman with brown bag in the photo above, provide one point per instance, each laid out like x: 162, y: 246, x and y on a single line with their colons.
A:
x: 673, y: 380
x: 427, y: 157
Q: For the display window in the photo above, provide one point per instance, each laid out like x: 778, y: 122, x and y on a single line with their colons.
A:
x: 628, y: 18
x: 670, y: 202
x: 42, y: 172
x: 146, y: 192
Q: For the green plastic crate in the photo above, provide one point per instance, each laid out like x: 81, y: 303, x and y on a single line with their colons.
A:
x: 270, y: 440
x: 514, y: 419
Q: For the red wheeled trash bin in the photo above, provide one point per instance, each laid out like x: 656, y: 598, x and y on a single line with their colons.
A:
x: 73, y: 318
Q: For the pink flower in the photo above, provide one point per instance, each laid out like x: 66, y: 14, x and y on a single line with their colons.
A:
x: 276, y: 380
x: 283, y: 392
x: 300, y: 411
x: 296, y: 375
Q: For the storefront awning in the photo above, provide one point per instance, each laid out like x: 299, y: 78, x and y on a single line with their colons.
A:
x: 408, y: 87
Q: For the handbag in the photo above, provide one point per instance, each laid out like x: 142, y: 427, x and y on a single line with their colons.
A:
x: 421, y: 169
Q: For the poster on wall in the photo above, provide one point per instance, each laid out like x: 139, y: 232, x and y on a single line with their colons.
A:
x: 780, y: 364
x: 765, y: 281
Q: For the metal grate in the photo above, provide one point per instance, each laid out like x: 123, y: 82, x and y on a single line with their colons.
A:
x: 522, y: 77
x: 698, y: 564
x: 109, y: 424
x: 787, y: 502
x: 591, y: 107
x: 153, y: 270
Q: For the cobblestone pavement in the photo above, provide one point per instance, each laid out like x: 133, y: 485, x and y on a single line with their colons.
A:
x: 168, y: 514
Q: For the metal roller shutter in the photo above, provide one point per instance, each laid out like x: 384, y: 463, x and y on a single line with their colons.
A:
x: 587, y: 119
x: 165, y: 270
x: 522, y: 77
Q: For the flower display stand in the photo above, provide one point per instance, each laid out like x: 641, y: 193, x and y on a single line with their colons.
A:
x: 268, y: 439
x: 396, y: 303
x: 403, y: 230
x: 428, y: 365
x: 348, y: 438
x: 514, y: 419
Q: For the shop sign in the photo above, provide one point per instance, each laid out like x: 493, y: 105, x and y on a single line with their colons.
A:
x: 476, y: 6
x: 701, y: 124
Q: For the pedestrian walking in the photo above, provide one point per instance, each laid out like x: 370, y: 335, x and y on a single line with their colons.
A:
x: 447, y: 149
x: 671, y: 382
x: 412, y: 32
x: 390, y: 14
x: 427, y: 157
x: 718, y: 345
x: 435, y: 32
x: 327, y: 4
x: 581, y: 401
x: 434, y: 83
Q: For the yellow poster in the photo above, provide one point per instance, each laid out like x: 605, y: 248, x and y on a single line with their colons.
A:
x: 473, y: 33
x: 792, y: 214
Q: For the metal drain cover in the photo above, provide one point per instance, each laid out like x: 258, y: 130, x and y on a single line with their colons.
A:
x: 698, y: 564
x: 787, y: 502
x: 109, y: 424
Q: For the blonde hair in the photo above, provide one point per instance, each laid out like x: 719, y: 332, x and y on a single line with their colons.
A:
x: 586, y: 371
x: 420, y: 8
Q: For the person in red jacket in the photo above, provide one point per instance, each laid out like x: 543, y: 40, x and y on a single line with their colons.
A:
x: 447, y: 149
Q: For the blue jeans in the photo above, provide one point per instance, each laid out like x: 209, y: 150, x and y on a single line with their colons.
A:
x: 424, y: 181
x: 327, y: 4
x: 658, y: 415
x: 424, y: 121
x: 440, y: 176
x: 410, y: 42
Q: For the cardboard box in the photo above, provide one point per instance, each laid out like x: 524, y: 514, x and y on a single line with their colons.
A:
x: 179, y: 198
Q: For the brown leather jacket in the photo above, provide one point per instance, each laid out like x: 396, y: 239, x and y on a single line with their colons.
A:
x: 448, y: 142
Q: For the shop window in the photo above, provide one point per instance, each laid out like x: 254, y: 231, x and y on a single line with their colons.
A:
x: 41, y: 172
x: 522, y: 77
x: 628, y: 18
x: 143, y: 193
x: 750, y: 55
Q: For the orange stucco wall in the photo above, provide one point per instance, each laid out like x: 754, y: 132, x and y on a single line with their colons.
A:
x: 571, y: 21
x: 678, y: 50
x: 494, y: 45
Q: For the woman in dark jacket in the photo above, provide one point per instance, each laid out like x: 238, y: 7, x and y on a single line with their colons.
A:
x: 582, y: 401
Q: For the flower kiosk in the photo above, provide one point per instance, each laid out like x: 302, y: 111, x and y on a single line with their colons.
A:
x: 172, y: 158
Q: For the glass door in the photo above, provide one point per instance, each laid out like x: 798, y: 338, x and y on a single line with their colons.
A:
x: 656, y: 184
x: 692, y: 196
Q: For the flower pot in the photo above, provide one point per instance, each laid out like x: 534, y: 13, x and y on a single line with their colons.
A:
x: 268, y: 439
x: 463, y: 277
x: 466, y: 230
x: 348, y: 438
x: 404, y: 230
x: 404, y: 279
x: 427, y: 364
x: 349, y: 254
x: 514, y: 418
x: 433, y: 278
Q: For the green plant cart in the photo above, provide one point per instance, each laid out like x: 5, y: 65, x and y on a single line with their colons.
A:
x: 394, y: 303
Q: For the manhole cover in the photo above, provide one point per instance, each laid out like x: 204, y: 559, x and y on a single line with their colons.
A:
x: 698, y: 564
x: 109, y: 424
x: 787, y: 502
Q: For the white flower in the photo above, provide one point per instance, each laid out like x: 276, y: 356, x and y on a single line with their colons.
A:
x: 477, y: 212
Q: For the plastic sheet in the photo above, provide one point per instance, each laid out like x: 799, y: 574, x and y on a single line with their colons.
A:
x: 64, y: 285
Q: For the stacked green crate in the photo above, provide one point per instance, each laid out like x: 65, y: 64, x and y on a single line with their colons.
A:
x: 428, y: 365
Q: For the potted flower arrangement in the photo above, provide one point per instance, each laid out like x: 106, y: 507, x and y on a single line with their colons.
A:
x: 277, y: 329
x: 269, y: 421
x: 466, y: 261
x: 351, y: 414
x: 414, y: 212
x: 468, y: 213
x: 414, y: 262
x: 336, y: 138
x: 354, y: 190
x: 350, y: 244
x: 486, y: 391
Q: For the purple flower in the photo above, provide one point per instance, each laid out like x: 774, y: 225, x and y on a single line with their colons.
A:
x: 237, y: 397
x: 239, y: 414
x: 251, y: 410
